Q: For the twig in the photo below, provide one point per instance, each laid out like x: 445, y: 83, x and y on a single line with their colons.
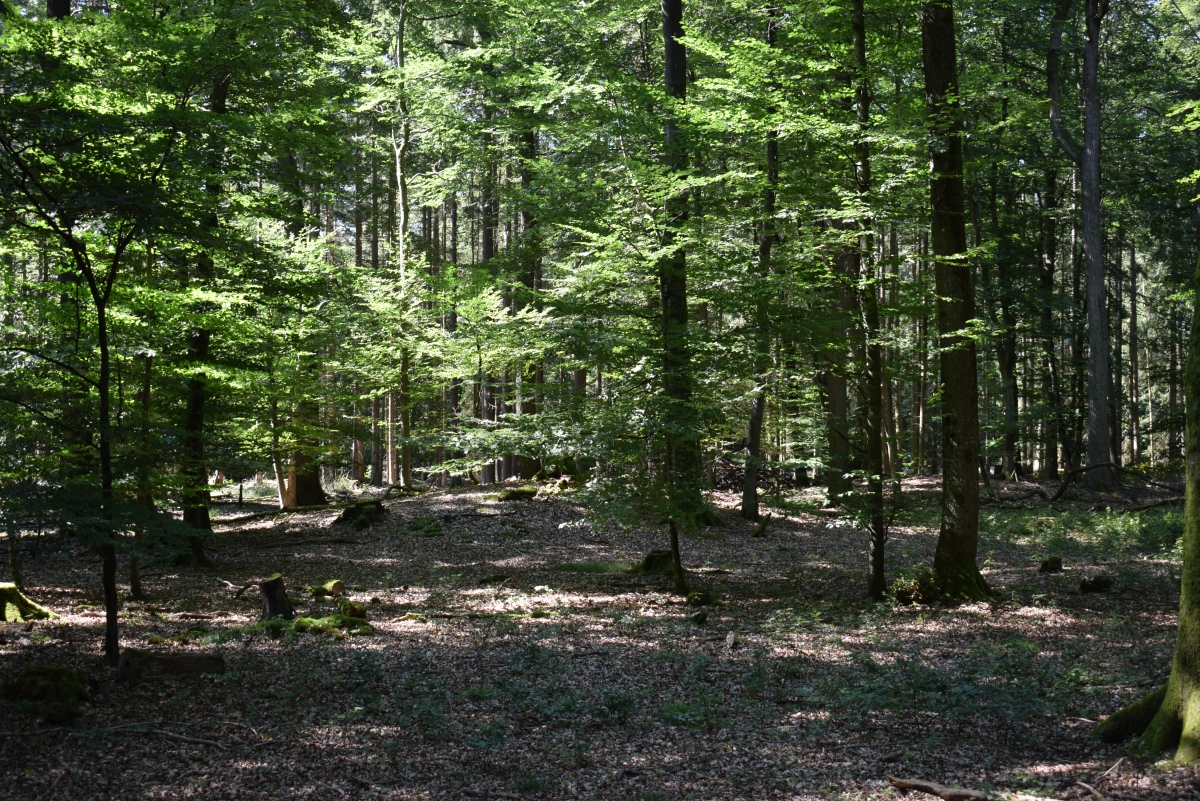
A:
x: 1116, y: 765
x: 185, y: 739
x: 1091, y: 790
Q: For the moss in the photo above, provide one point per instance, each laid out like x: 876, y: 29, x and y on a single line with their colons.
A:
x: 333, y: 587
x: 1052, y: 564
x: 515, y: 494
x: 1133, y: 719
x: 47, y: 684
x: 658, y: 562
x: 18, y: 608
x: 349, y: 608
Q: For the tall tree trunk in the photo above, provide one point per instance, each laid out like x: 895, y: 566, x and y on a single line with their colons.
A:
x: 682, y: 459
x: 531, y: 279
x: 766, y: 238
x: 1088, y: 159
x: 1116, y: 379
x: 869, y: 304
x: 954, y: 565
x: 401, y: 141
x: 1135, y: 434
x: 1093, y: 242
x: 1051, y: 391
x: 195, y: 495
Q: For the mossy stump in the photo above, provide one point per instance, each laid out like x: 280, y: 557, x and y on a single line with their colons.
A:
x: 658, y: 562
x: 18, y: 608
x: 1051, y: 564
x: 362, y: 514
x: 47, y: 684
x: 1100, y: 583
x: 349, y: 608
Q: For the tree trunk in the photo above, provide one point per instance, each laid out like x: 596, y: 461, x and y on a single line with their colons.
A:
x: 766, y: 238
x: 954, y: 563
x: 1135, y: 434
x: 304, y: 472
x: 1175, y: 725
x: 681, y: 463
x: 1093, y: 242
x: 869, y: 303
x: 1051, y: 393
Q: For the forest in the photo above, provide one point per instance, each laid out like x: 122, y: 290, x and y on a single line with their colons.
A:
x: 440, y: 399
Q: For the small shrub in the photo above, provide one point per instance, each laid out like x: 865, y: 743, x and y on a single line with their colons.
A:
x: 916, y: 587
x: 423, y: 527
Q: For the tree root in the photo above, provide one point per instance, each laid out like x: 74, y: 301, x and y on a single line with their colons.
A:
x: 940, y: 790
x: 1133, y: 719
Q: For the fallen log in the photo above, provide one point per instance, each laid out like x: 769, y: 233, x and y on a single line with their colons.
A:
x: 137, y: 665
x: 940, y: 790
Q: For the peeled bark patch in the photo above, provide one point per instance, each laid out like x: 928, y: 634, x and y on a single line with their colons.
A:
x: 18, y: 608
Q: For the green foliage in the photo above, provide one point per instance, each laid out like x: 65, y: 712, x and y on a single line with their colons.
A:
x: 422, y: 527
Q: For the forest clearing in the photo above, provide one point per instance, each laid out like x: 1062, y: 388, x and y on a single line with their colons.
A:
x: 509, y: 660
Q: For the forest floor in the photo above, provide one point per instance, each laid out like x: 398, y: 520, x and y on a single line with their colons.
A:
x: 517, y: 656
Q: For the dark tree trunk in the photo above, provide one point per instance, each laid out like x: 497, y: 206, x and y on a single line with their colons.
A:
x: 954, y: 565
x: 766, y: 238
x: 1135, y: 432
x: 1093, y: 242
x: 869, y: 304
x: 531, y: 279
x: 195, y: 495
x: 681, y: 463
x: 1051, y: 391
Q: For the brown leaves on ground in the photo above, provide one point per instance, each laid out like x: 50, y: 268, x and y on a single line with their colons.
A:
x: 518, y: 653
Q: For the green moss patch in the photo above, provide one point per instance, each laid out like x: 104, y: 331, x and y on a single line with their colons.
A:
x: 18, y: 608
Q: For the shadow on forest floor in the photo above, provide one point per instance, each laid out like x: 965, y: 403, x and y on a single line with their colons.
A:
x: 496, y: 672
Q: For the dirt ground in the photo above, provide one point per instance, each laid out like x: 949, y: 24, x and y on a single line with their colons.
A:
x: 515, y: 655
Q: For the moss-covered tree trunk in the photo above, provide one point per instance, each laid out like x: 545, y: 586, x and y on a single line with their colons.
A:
x: 1175, y: 725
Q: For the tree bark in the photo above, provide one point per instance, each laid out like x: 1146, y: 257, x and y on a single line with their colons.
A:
x: 869, y: 304
x: 1051, y: 392
x: 1135, y: 434
x: 1175, y: 725
x: 195, y: 495
x: 955, y: 569
x: 766, y: 239
x: 1093, y: 242
x: 681, y: 463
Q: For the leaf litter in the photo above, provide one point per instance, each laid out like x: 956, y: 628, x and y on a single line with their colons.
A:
x: 517, y: 653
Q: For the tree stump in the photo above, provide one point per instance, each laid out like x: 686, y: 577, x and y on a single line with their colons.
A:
x: 362, y: 513
x: 274, y: 599
x: 136, y: 665
x: 17, y: 608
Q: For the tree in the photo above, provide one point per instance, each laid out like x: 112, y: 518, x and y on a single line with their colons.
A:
x: 955, y: 570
